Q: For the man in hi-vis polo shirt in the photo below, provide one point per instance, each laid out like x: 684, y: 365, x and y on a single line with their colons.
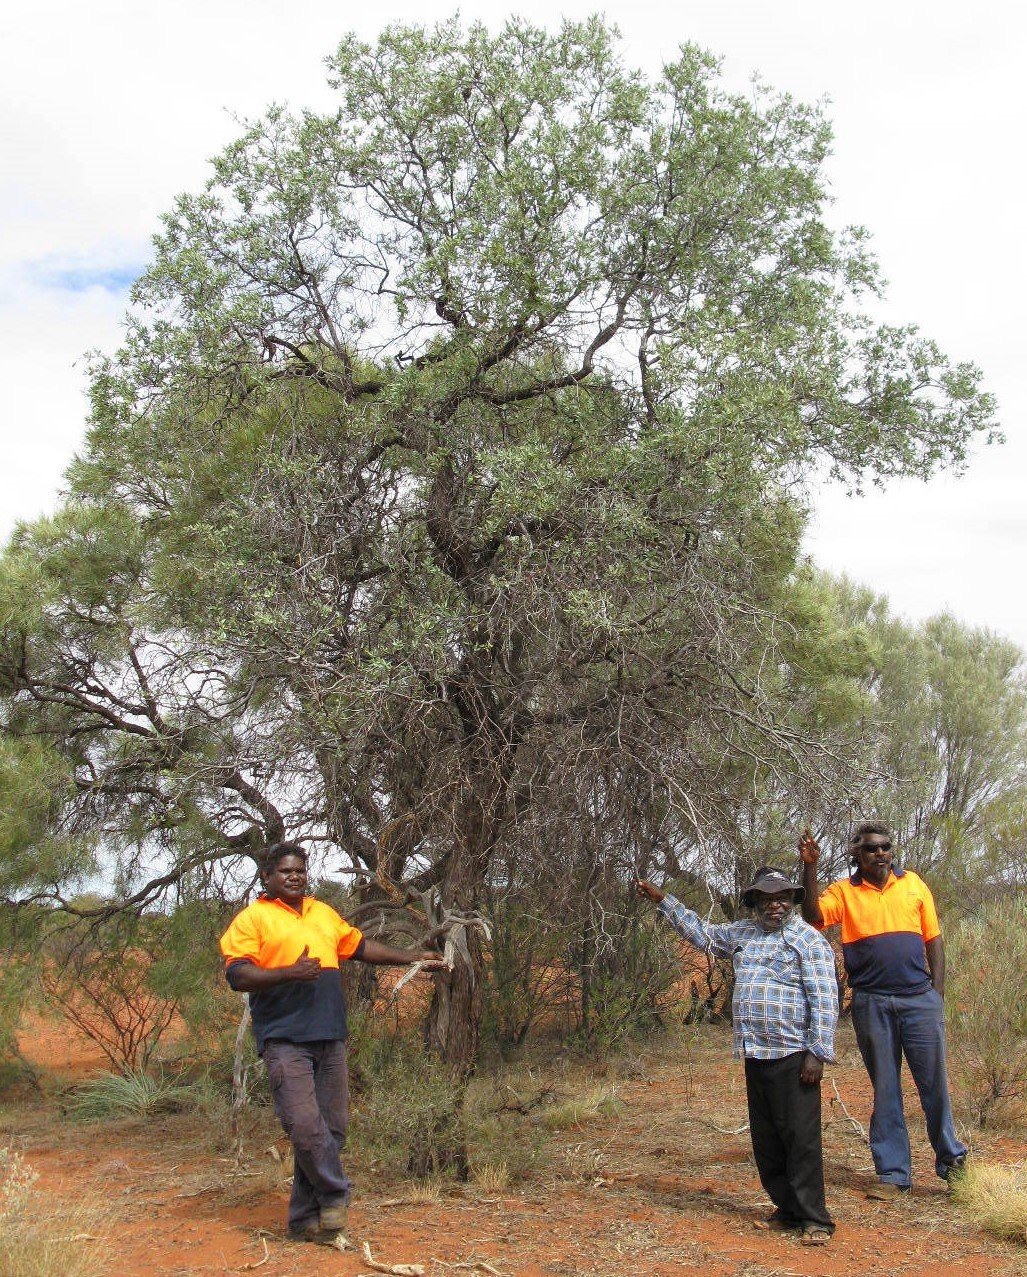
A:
x: 892, y: 945
x: 285, y: 951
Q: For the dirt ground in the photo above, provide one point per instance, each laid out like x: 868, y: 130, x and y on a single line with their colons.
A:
x: 666, y: 1187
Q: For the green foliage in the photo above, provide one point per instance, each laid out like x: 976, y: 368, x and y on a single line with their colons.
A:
x: 944, y: 731
x: 134, y: 1093
x: 34, y: 786
x: 523, y: 972
x: 986, y: 1007
x: 409, y: 1111
x: 627, y: 972
x: 590, y: 1106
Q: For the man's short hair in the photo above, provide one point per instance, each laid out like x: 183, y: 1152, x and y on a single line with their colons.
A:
x: 276, y: 853
x: 869, y: 827
x: 859, y: 831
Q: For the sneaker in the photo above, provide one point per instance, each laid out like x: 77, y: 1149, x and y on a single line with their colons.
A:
x: 334, y: 1218
x: 887, y: 1192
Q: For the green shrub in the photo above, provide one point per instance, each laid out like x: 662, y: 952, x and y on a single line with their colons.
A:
x: 134, y: 1093
x: 986, y: 1007
x: 591, y: 1105
x: 626, y: 980
x: 408, y: 1111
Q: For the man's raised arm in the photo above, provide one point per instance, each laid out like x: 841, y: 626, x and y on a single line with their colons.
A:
x: 809, y: 850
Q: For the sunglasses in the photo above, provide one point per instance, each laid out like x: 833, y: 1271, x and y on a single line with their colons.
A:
x: 871, y: 846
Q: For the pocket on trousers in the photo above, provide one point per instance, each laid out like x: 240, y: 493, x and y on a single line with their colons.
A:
x: 275, y: 1072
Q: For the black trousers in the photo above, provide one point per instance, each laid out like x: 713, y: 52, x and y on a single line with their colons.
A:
x: 784, y: 1121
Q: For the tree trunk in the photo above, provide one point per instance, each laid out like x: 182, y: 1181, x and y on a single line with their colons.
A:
x: 454, y: 1017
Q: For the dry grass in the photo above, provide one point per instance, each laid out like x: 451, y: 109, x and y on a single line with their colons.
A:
x: 492, y: 1176
x: 995, y: 1198
x: 31, y: 1245
x: 426, y: 1190
x: 599, y: 1102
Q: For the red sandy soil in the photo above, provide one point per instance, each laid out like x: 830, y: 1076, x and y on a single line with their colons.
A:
x: 666, y: 1188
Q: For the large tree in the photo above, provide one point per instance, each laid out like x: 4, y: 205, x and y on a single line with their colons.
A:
x: 451, y: 467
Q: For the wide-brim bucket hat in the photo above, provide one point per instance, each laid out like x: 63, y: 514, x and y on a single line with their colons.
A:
x: 772, y: 882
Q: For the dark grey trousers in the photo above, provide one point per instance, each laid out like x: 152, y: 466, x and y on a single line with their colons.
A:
x: 784, y: 1121
x: 310, y: 1088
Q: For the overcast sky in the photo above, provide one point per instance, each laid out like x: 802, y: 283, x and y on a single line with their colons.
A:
x: 111, y: 107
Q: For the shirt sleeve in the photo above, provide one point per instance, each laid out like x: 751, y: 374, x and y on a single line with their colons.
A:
x: 241, y: 942
x: 930, y: 927
x: 349, y: 940
x: 832, y: 905
x: 716, y: 938
x: 820, y: 983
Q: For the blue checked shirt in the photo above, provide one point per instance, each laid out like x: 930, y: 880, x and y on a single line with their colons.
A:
x: 786, y: 991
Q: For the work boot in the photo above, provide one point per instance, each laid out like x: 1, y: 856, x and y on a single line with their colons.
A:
x: 305, y: 1232
x: 334, y: 1218
x: 887, y: 1192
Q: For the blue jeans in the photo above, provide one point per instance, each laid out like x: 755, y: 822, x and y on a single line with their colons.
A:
x: 310, y: 1088
x: 888, y: 1027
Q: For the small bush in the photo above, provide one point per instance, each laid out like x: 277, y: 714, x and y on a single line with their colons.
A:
x: 409, y: 1111
x: 134, y: 1093
x: 626, y: 971
x: 600, y: 1102
x: 29, y: 1245
x: 986, y: 1007
x: 100, y: 977
x: 505, y: 1148
x: 995, y: 1198
x: 427, y: 1191
x: 491, y: 1177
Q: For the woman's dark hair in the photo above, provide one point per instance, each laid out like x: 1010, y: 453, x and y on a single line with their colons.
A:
x: 277, y: 853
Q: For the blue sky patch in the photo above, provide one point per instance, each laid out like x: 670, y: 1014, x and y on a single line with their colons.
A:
x: 79, y: 279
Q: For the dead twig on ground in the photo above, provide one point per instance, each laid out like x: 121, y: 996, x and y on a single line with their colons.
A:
x: 471, y: 1264
x: 847, y: 1115
x: 396, y: 1270
x: 260, y: 1262
x: 721, y: 1130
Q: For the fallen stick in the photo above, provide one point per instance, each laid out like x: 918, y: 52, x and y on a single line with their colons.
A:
x: 841, y: 1104
x: 470, y: 1264
x: 396, y: 1270
x: 260, y: 1262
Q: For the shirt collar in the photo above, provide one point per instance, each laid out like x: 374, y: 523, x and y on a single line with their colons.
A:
x: 273, y: 900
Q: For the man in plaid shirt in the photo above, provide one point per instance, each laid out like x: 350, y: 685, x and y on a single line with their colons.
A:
x: 784, y: 1011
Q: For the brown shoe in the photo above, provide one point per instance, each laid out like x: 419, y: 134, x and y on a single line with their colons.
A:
x: 334, y: 1218
x: 887, y: 1192
x: 307, y: 1233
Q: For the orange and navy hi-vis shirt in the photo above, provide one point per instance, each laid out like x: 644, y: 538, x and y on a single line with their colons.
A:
x: 269, y: 933
x: 884, y: 931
